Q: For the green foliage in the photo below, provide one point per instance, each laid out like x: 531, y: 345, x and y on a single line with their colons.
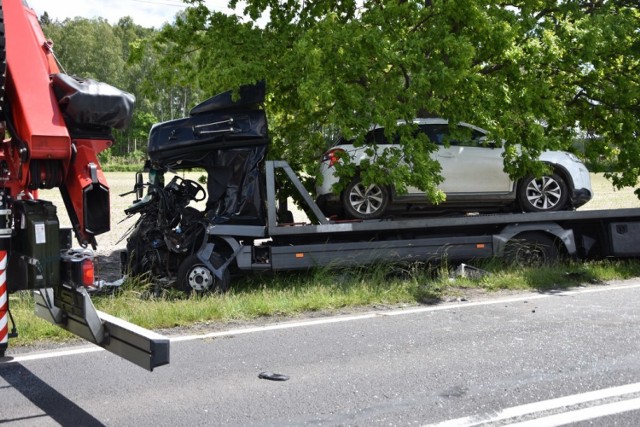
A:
x: 131, y: 162
x: 93, y: 48
x: 535, y: 74
x: 142, y: 122
x: 89, y: 48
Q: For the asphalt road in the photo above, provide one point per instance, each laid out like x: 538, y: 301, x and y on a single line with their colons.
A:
x: 536, y: 359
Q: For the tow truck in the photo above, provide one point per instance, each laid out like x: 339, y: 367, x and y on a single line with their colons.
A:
x: 56, y: 125
x: 246, y: 224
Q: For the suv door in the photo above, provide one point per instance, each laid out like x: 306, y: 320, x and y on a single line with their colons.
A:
x: 469, y: 164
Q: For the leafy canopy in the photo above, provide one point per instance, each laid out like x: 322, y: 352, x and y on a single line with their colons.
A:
x: 534, y: 73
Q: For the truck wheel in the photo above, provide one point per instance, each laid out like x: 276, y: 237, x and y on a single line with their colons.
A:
x: 545, y: 194
x: 195, y: 277
x: 365, y: 202
x: 531, y: 250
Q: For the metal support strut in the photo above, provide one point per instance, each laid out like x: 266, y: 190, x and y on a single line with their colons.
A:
x: 145, y: 348
x: 4, y: 303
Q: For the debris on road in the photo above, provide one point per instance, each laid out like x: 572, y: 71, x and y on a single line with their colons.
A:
x: 268, y: 375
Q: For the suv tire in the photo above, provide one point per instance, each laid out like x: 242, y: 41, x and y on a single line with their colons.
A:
x: 545, y: 194
x: 365, y: 202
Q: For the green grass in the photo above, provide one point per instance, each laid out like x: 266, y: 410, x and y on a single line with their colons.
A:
x: 321, y: 291
x: 326, y: 290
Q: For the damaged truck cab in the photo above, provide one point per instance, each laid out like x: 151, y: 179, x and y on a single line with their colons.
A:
x: 225, y: 136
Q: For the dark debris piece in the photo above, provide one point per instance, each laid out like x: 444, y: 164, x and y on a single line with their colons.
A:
x: 267, y: 375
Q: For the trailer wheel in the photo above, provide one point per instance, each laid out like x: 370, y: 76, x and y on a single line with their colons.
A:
x: 365, y: 202
x: 545, y: 194
x: 531, y: 250
x: 195, y: 277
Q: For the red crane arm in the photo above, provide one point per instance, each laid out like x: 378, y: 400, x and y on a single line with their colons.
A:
x: 47, y: 148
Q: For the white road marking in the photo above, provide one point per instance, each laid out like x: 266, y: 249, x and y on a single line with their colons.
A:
x: 329, y: 320
x: 52, y: 354
x: 582, y: 414
x: 561, y: 402
x: 563, y: 418
x: 276, y: 326
x: 400, y: 312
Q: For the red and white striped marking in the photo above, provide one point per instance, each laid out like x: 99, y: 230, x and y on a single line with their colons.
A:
x: 4, y: 300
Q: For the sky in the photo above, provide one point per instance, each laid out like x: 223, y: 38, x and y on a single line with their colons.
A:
x: 147, y: 13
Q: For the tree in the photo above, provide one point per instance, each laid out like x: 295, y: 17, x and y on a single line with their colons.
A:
x: 535, y: 73
x: 90, y: 48
x: 93, y: 48
x: 45, y: 19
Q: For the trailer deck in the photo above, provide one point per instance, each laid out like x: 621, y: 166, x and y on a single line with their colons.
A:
x: 321, y: 242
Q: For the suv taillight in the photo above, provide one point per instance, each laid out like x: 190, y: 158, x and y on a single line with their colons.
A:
x: 333, y: 156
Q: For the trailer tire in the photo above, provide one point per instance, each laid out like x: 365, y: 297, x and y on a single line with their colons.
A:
x: 531, y: 250
x: 195, y: 277
x: 365, y: 202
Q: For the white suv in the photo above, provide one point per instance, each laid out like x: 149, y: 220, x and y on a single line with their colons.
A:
x: 474, y: 179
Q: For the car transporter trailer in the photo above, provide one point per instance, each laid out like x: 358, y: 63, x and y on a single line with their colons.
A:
x: 525, y: 238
